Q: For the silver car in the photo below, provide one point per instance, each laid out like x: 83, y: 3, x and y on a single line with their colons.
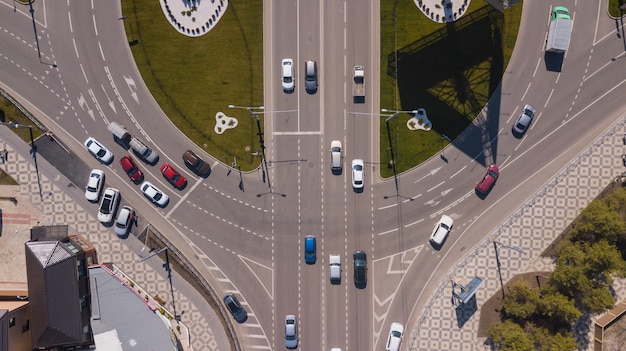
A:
x: 108, y: 206
x: 124, y: 221
x: 336, y: 157
x: 291, y: 332
x: 523, y: 121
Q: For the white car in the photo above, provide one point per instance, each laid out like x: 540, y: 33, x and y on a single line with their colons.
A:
x: 395, y: 337
x: 108, y: 206
x: 125, y: 220
x: 291, y: 332
x: 287, y: 75
x: 154, y: 194
x: 98, y: 150
x: 442, y: 229
x: 94, y: 185
x: 357, y: 174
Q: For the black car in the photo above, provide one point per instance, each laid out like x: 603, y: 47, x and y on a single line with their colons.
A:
x: 235, y: 308
x: 360, y: 269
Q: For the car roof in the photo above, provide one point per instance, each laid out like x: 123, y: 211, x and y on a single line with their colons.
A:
x: 487, y: 180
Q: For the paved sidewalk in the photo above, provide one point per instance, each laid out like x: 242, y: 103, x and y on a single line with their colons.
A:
x: 57, y: 205
x: 447, y: 326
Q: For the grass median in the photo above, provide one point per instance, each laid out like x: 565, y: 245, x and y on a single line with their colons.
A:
x: 448, y: 69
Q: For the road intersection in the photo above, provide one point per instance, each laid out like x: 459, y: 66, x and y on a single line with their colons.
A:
x: 84, y: 81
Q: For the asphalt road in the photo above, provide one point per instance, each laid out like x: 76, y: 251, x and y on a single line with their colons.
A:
x: 82, y: 77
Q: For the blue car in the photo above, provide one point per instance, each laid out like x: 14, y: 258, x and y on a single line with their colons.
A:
x: 309, y: 249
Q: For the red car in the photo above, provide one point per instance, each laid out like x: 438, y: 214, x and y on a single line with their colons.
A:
x: 131, y: 168
x: 173, y: 176
x: 488, y: 180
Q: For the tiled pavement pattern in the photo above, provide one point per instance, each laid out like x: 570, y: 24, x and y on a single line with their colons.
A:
x: 442, y: 325
x: 55, y: 206
x: 447, y: 326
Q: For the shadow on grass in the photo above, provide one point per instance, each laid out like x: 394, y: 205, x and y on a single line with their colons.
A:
x: 452, y: 73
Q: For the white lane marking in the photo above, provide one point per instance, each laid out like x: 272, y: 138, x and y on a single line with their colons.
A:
x: 433, y: 188
x: 459, y: 171
x: 101, y: 51
x: 414, y: 223
x: 84, y: 74
x: 75, y: 48
x: 95, y: 27
x: 389, y: 231
x: 69, y: 20
x: 430, y: 173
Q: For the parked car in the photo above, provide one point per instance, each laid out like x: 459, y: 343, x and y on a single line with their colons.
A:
x: 98, y: 150
x: 154, y: 194
x: 357, y: 174
x: 485, y: 183
x: 173, y: 176
x: 360, y: 269
x: 310, y: 76
x: 94, y: 185
x: 287, y: 75
x: 233, y: 305
x: 131, y: 168
x: 336, y: 157
x: 291, y: 332
x: 395, y: 337
x: 124, y: 221
x: 442, y: 229
x: 523, y: 121
x: 108, y: 206
x: 309, y: 249
x: 196, y: 164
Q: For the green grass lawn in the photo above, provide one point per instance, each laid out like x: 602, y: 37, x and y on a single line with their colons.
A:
x: 450, y: 70
x: 194, y: 78
x: 614, y: 8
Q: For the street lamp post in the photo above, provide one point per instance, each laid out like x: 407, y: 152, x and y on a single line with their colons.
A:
x: 393, y: 160
x: 255, y: 111
x: 33, y: 149
x: 168, y: 269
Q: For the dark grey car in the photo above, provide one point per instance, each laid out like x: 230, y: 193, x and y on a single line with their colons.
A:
x: 235, y: 308
x: 360, y: 269
x: 310, y: 76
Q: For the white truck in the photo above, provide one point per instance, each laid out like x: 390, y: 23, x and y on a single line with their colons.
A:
x: 335, y: 269
x: 358, y: 84
x: 560, y: 30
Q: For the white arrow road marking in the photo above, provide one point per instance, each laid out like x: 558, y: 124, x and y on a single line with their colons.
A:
x: 111, y: 103
x: 132, y: 87
x: 431, y: 173
x: 83, y: 104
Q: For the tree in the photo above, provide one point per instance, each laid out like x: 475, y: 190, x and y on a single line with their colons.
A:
x: 521, y: 302
x: 548, y: 341
x: 603, y: 260
x: 558, y: 308
x: 510, y: 336
x: 599, y: 221
x: 597, y: 300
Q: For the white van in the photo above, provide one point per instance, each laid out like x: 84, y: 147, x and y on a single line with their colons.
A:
x: 119, y: 132
x: 143, y: 151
